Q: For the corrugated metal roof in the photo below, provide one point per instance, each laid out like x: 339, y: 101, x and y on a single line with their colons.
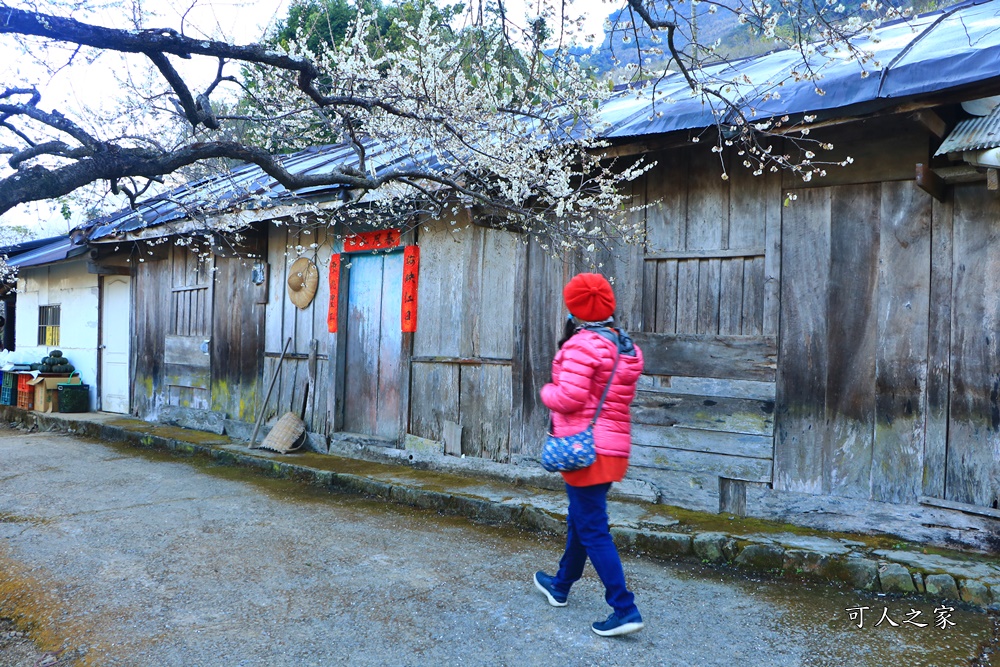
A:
x: 932, y: 53
x: 56, y: 251
x: 973, y: 134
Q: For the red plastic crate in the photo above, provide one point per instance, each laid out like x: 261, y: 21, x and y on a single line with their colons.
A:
x: 26, y: 399
x: 22, y: 382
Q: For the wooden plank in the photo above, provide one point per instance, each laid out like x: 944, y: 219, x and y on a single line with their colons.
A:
x: 687, y: 296
x: 182, y: 375
x: 747, y: 206
x: 712, y: 413
x: 518, y: 340
x: 801, y: 379
x: 901, y: 366
x: 470, y: 266
x: 931, y: 183
x: 960, y: 507
x: 544, y: 318
x: 772, y: 254
x: 484, y: 404
x: 185, y: 350
x: 666, y: 191
x: 725, y: 388
x: 452, y: 437
x: 883, y: 150
x: 732, y: 496
x: 722, y: 253
x: 709, y: 276
x: 938, y: 350
x: 737, y: 357
x: 650, y: 296
x: 433, y: 399
x: 752, y: 313
x: 731, y: 297
x: 851, y: 332
x: 973, y: 463
x: 496, y: 308
x: 921, y: 524
x: 442, y: 288
x: 363, y: 331
x: 665, y: 297
x: 745, y: 445
x: 392, y: 372
x: 679, y: 488
x: 708, y: 202
x: 716, y: 465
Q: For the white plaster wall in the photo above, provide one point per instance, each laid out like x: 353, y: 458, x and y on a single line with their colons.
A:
x: 71, y: 287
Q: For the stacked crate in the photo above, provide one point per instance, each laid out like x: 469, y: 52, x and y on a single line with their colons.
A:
x: 8, y: 391
x: 25, y: 392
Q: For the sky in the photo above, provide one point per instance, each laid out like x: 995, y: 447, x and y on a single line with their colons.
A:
x: 93, y: 85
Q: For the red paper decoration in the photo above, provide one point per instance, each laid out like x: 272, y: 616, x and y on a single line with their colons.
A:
x: 331, y: 313
x: 377, y: 240
x: 411, y: 270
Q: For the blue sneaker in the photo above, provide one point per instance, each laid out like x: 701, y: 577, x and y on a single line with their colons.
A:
x: 615, y: 625
x: 543, y: 582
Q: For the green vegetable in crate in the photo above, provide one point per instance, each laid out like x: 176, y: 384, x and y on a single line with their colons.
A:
x: 55, y: 353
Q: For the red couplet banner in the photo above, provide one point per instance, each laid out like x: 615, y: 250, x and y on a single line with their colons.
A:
x: 377, y: 240
x: 411, y: 271
x: 331, y: 313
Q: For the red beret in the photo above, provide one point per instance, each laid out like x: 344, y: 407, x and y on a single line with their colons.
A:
x: 589, y: 297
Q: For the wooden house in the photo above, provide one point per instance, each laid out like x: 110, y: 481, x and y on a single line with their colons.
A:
x: 821, y: 352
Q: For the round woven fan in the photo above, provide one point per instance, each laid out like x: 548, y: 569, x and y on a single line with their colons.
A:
x: 303, y: 278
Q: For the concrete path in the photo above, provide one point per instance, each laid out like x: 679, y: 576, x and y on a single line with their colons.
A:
x: 119, y: 556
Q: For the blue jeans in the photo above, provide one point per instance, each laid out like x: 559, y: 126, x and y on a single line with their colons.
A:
x: 588, y: 536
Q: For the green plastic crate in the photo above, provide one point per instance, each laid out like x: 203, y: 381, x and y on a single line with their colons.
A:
x: 74, y: 397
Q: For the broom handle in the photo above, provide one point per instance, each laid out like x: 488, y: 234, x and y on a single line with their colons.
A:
x: 263, y: 408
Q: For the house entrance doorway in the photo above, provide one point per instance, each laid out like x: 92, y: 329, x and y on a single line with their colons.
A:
x: 374, y: 364
x: 116, y: 337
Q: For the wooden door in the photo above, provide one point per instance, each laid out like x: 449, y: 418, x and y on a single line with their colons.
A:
x: 116, y: 339
x: 374, y: 367
x: 187, y: 345
x: 969, y: 470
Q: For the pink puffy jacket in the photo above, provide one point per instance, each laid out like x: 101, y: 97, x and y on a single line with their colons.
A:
x: 580, y: 372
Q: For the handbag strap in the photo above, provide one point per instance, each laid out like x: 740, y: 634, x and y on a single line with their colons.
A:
x: 607, y: 387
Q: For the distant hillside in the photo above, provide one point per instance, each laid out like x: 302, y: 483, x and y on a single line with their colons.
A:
x: 614, y: 54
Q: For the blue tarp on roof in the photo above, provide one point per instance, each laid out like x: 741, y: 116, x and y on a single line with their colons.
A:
x: 933, y: 53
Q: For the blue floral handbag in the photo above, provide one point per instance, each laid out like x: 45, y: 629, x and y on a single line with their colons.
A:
x: 575, y: 452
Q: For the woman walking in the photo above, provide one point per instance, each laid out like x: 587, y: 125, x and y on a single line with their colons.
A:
x: 593, y: 355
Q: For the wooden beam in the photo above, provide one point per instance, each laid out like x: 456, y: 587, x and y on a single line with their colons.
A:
x: 105, y: 270
x: 930, y: 182
x: 706, y: 254
x: 933, y: 122
x: 960, y: 507
x: 963, y: 173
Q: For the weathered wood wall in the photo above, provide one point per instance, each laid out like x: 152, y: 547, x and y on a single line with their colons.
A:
x: 198, y: 335
x: 284, y: 320
x: 708, y: 323
x: 464, y: 347
x: 888, y: 373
